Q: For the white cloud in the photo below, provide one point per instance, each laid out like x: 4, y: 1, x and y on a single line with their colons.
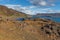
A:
x: 53, y: 11
x: 28, y: 9
x: 42, y: 2
x: 31, y: 6
x: 12, y: 6
x: 25, y: 9
x: 45, y: 8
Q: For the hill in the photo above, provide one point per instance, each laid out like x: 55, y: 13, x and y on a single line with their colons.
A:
x: 5, y: 11
x: 28, y: 29
x: 37, y: 29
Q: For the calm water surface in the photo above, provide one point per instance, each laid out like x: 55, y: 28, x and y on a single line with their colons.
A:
x: 56, y: 19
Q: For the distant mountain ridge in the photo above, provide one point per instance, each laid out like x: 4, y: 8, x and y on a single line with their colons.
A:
x: 48, y: 14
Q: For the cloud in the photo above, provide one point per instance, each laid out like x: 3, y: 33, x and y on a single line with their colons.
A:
x: 32, y: 9
x: 12, y: 6
x: 20, y: 8
x: 42, y: 2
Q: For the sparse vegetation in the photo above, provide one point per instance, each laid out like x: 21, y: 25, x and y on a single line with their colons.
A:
x: 27, y: 29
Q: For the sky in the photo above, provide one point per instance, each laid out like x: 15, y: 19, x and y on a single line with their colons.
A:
x: 33, y: 6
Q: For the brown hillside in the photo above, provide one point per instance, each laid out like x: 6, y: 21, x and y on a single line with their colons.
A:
x: 5, y: 11
x: 29, y: 30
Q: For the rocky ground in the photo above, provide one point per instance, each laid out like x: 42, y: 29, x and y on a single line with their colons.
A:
x: 28, y: 29
x: 37, y: 29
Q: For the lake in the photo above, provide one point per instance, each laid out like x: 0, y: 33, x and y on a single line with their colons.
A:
x: 56, y: 19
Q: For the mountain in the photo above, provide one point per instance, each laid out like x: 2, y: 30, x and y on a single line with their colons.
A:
x: 5, y: 11
x: 48, y: 14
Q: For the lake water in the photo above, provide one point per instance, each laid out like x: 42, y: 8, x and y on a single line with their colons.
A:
x: 56, y: 19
